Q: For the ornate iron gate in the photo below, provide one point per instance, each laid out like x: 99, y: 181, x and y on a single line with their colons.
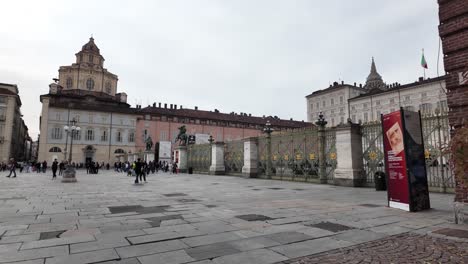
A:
x: 199, y: 157
x: 330, y: 154
x: 372, y: 147
x: 436, y: 134
x: 294, y: 154
x: 234, y: 157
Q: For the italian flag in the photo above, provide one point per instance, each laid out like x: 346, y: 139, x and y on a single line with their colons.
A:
x: 423, y: 61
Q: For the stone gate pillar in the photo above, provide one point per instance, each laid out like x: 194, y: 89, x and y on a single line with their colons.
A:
x: 182, y: 158
x: 349, y: 170
x: 250, y: 168
x: 217, y: 159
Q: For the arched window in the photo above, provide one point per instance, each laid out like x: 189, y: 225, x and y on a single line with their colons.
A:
x: 69, y: 83
x: 90, y: 84
x: 119, y: 151
x: 55, y: 149
x: 108, y: 87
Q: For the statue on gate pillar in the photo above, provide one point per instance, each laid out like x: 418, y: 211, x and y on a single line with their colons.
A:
x: 182, y: 136
x: 149, y: 143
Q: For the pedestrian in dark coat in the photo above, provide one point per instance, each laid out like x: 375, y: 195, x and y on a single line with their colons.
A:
x: 54, y: 169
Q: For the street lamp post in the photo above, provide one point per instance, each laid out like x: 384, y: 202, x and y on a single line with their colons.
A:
x: 321, y: 123
x: 69, y: 175
x: 268, y: 130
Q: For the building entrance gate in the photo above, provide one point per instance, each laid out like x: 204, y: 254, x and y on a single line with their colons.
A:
x: 436, y: 133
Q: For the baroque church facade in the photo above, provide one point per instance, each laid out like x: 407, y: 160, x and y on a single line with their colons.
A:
x: 112, y: 130
x: 342, y: 102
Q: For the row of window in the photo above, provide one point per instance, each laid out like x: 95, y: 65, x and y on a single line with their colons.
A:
x: 324, y: 103
x: 57, y: 150
x: 89, y: 85
x: 89, y: 135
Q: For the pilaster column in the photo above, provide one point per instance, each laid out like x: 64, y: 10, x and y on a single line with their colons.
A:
x: 217, y: 159
x: 182, y: 158
x: 250, y: 168
x: 349, y: 170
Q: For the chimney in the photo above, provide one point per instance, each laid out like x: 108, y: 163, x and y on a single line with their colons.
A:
x: 154, y: 104
x: 180, y: 107
x: 159, y: 105
x: 354, y: 84
x: 342, y: 82
x: 421, y: 79
x: 171, y: 106
x: 360, y: 85
x: 196, y: 107
x: 165, y: 106
x: 175, y: 106
x: 335, y: 83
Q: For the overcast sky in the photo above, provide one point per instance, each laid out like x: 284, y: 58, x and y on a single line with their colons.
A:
x: 254, y: 56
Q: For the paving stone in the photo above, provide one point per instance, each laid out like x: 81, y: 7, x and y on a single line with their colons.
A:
x: 124, y: 209
x: 333, y: 227
x: 259, y: 256
x: 310, y: 247
x: 404, y: 248
x: 358, y: 236
x: 452, y: 232
x: 151, y: 248
x: 211, y: 239
x: 50, y: 235
x: 174, y: 257
x: 103, y: 241
x: 211, y: 227
x: 123, y: 261
x: 254, y: 217
x: 211, y: 251
x: 86, y: 257
x: 20, y: 238
x: 288, y: 237
x: 34, y: 254
x: 154, y: 238
x: 57, y: 241
x: 9, y: 247
x: 163, y: 229
x: 33, y: 261
x: 253, y: 243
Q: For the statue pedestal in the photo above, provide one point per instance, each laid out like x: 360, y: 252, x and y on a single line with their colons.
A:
x: 69, y: 174
x: 149, y: 156
x: 181, y: 158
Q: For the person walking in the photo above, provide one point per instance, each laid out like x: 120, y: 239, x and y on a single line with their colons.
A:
x: 61, y: 167
x: 12, y: 168
x: 137, y: 170
x: 54, y: 169
x: 44, y: 166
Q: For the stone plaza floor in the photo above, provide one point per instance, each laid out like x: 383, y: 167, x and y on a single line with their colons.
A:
x: 202, y: 219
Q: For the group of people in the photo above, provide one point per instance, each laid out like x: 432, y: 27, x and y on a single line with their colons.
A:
x: 140, y: 169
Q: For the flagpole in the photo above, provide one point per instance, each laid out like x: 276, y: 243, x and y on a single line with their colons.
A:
x: 424, y: 68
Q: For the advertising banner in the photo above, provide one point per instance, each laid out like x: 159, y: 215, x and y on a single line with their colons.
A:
x: 165, y: 150
x: 415, y: 161
x: 395, y: 161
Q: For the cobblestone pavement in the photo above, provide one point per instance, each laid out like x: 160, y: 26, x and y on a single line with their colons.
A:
x: 202, y: 219
x: 404, y: 248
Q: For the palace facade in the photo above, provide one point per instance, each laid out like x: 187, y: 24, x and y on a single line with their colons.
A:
x: 111, y: 129
x: 14, y: 138
x: 361, y: 104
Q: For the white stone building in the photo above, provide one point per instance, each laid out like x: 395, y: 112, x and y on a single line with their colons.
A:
x: 342, y: 102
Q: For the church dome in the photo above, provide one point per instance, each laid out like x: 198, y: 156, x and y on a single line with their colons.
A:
x: 90, y: 46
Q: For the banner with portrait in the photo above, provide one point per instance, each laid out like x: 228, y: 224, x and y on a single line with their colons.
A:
x: 395, y: 161
x: 404, y: 161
